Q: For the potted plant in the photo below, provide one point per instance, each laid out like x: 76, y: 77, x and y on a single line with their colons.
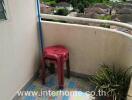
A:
x: 113, y: 80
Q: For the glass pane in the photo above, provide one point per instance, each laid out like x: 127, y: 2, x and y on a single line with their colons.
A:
x: 2, y: 15
x: 2, y: 11
x: 1, y: 7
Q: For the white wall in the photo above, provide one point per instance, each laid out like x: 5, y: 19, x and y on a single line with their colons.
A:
x: 18, y: 47
x: 90, y: 46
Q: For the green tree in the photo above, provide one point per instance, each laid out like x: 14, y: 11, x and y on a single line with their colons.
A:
x: 73, y: 2
x: 80, y: 7
x: 49, y: 2
x: 61, y: 11
x: 81, y: 4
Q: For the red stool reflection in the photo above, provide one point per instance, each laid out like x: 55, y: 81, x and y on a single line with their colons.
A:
x: 58, y: 55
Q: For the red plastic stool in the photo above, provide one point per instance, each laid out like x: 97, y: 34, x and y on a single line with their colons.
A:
x: 58, y: 55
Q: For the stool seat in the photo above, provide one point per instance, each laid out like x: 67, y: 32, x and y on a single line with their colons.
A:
x: 58, y: 54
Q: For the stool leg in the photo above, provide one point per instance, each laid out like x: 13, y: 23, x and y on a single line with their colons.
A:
x: 62, y: 75
x: 68, y: 68
x: 43, y: 71
x: 59, y: 73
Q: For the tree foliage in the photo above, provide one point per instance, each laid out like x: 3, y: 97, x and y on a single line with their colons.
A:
x: 81, y: 4
x: 78, y: 4
x: 61, y: 11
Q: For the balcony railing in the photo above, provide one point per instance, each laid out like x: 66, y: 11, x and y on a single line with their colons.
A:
x: 91, y: 22
x: 89, y: 45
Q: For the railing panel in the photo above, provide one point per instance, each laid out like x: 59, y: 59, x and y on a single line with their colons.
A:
x: 89, y: 46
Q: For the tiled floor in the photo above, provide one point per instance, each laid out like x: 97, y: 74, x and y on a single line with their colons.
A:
x: 72, y: 84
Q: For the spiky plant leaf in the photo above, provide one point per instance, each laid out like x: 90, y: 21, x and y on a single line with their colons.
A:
x: 112, y: 79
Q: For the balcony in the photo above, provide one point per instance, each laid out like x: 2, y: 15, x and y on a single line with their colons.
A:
x: 91, y: 42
